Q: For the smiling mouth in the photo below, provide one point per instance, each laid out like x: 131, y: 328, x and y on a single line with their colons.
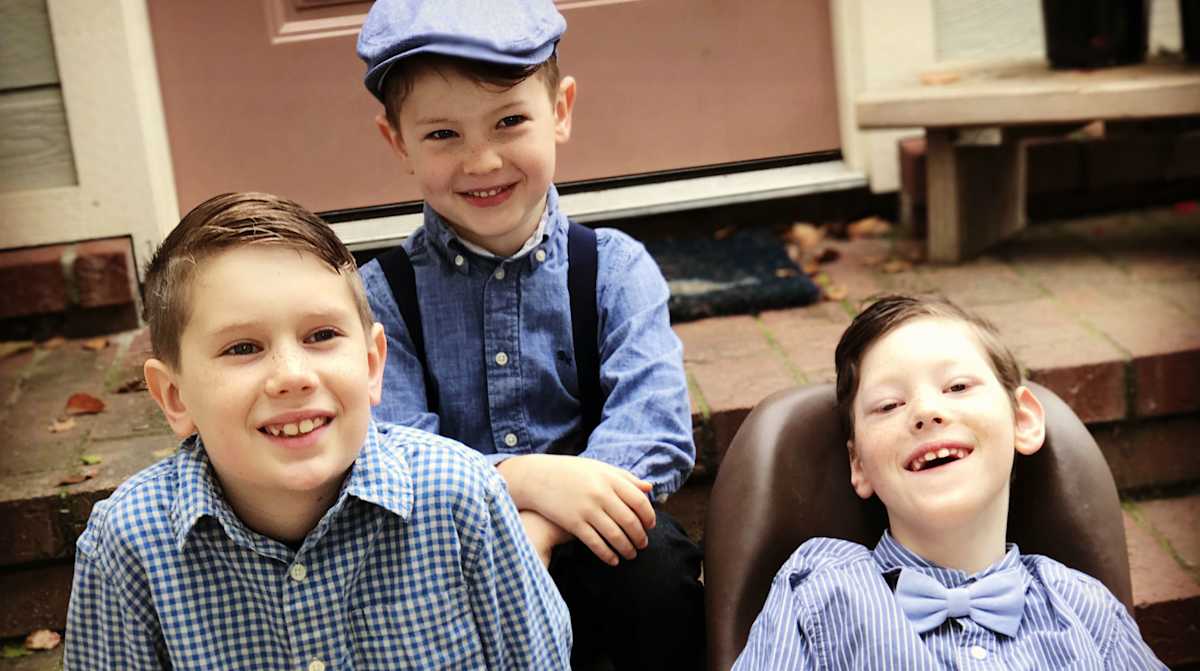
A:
x: 485, y: 194
x: 293, y: 429
x: 936, y: 457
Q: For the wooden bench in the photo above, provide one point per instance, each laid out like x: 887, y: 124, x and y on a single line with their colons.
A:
x: 975, y: 127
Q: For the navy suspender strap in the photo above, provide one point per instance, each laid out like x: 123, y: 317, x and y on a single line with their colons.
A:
x: 585, y: 324
x: 398, y: 270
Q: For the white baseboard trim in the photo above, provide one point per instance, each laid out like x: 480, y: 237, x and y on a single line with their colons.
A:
x: 621, y: 202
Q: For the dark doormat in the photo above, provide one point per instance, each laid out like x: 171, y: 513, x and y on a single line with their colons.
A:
x: 746, y: 272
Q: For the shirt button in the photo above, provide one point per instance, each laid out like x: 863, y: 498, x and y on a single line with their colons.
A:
x: 316, y: 665
x: 298, y: 572
x: 978, y: 652
x: 459, y: 260
x: 540, y: 255
x: 499, y: 273
x: 501, y: 358
x: 510, y: 440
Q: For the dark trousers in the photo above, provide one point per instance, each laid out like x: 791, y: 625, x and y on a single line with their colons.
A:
x: 647, y: 613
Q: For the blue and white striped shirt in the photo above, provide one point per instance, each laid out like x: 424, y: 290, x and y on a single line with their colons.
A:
x: 421, y: 562
x: 830, y: 607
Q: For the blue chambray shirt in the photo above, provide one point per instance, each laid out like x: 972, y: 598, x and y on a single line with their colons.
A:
x: 498, y: 340
x: 830, y: 608
x: 420, y: 563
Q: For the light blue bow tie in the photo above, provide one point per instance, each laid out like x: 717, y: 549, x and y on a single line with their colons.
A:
x: 996, y: 602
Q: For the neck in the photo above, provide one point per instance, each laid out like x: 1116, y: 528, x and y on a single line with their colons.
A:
x: 969, y: 545
x: 286, y: 516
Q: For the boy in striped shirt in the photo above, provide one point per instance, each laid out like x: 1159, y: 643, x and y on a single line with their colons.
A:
x: 936, y: 413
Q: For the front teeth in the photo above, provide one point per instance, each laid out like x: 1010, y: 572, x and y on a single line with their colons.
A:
x: 485, y: 194
x: 942, y: 453
x: 296, y: 428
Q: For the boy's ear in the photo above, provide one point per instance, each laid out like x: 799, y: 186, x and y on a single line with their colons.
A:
x: 858, y: 477
x: 394, y: 140
x: 564, y: 104
x: 1029, y: 422
x: 160, y: 380
x: 376, y: 358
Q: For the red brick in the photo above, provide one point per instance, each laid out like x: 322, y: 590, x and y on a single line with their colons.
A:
x: 1177, y: 520
x: 689, y: 506
x: 808, y: 337
x: 35, y: 598
x: 853, y: 271
x: 982, y: 281
x: 33, y: 282
x: 1151, y: 452
x: 1166, y: 598
x: 1165, y: 345
x: 1082, y: 367
x: 735, y: 367
x: 1167, y: 383
x: 912, y: 168
x: 104, y: 273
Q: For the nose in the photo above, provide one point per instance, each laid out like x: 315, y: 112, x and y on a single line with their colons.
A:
x: 481, y: 159
x: 925, y: 413
x: 291, y: 375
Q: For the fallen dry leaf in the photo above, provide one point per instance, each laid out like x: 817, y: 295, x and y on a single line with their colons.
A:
x: 84, y: 404
x: 786, y: 272
x: 836, y: 292
x: 132, y: 384
x: 821, y: 280
x: 91, y: 459
x: 75, y: 478
x: 8, y: 349
x: 896, y: 266
x: 805, y: 235
x: 43, y: 639
x: 163, y: 453
x: 724, y: 232
x: 53, y: 343
x: 62, y: 425
x: 95, y: 344
x: 868, y: 227
x: 939, y: 77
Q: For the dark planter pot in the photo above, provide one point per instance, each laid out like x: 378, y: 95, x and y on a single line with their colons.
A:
x: 1189, y: 16
x: 1096, y: 33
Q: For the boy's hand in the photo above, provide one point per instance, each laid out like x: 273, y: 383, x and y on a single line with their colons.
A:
x: 543, y: 534
x: 603, y: 506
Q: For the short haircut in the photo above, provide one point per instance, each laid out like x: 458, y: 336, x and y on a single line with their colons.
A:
x: 398, y: 81
x: 226, y: 222
x: 887, y: 314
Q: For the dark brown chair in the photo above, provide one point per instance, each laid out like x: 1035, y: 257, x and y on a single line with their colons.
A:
x: 786, y: 478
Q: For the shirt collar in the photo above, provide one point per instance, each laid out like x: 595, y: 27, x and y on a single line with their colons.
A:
x: 448, y: 243
x: 379, y: 475
x: 890, y: 555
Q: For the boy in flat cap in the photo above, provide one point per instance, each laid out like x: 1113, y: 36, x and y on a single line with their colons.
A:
x: 542, y: 344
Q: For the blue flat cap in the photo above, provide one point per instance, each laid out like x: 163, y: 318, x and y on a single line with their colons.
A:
x: 505, y: 32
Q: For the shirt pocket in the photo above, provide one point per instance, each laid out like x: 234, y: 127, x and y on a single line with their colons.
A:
x: 434, y: 631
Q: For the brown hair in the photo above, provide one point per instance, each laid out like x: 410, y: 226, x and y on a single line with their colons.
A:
x: 887, y: 314
x: 398, y: 81
x: 221, y: 223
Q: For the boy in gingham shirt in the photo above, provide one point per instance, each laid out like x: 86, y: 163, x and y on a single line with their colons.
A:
x: 474, y: 108
x: 936, y: 413
x: 290, y: 530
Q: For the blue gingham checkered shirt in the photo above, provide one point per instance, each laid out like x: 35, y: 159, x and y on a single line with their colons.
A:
x: 475, y: 308
x: 420, y: 563
x: 831, y: 608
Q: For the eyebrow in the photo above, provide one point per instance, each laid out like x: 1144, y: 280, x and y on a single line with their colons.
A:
x: 330, y: 315
x: 440, y: 121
